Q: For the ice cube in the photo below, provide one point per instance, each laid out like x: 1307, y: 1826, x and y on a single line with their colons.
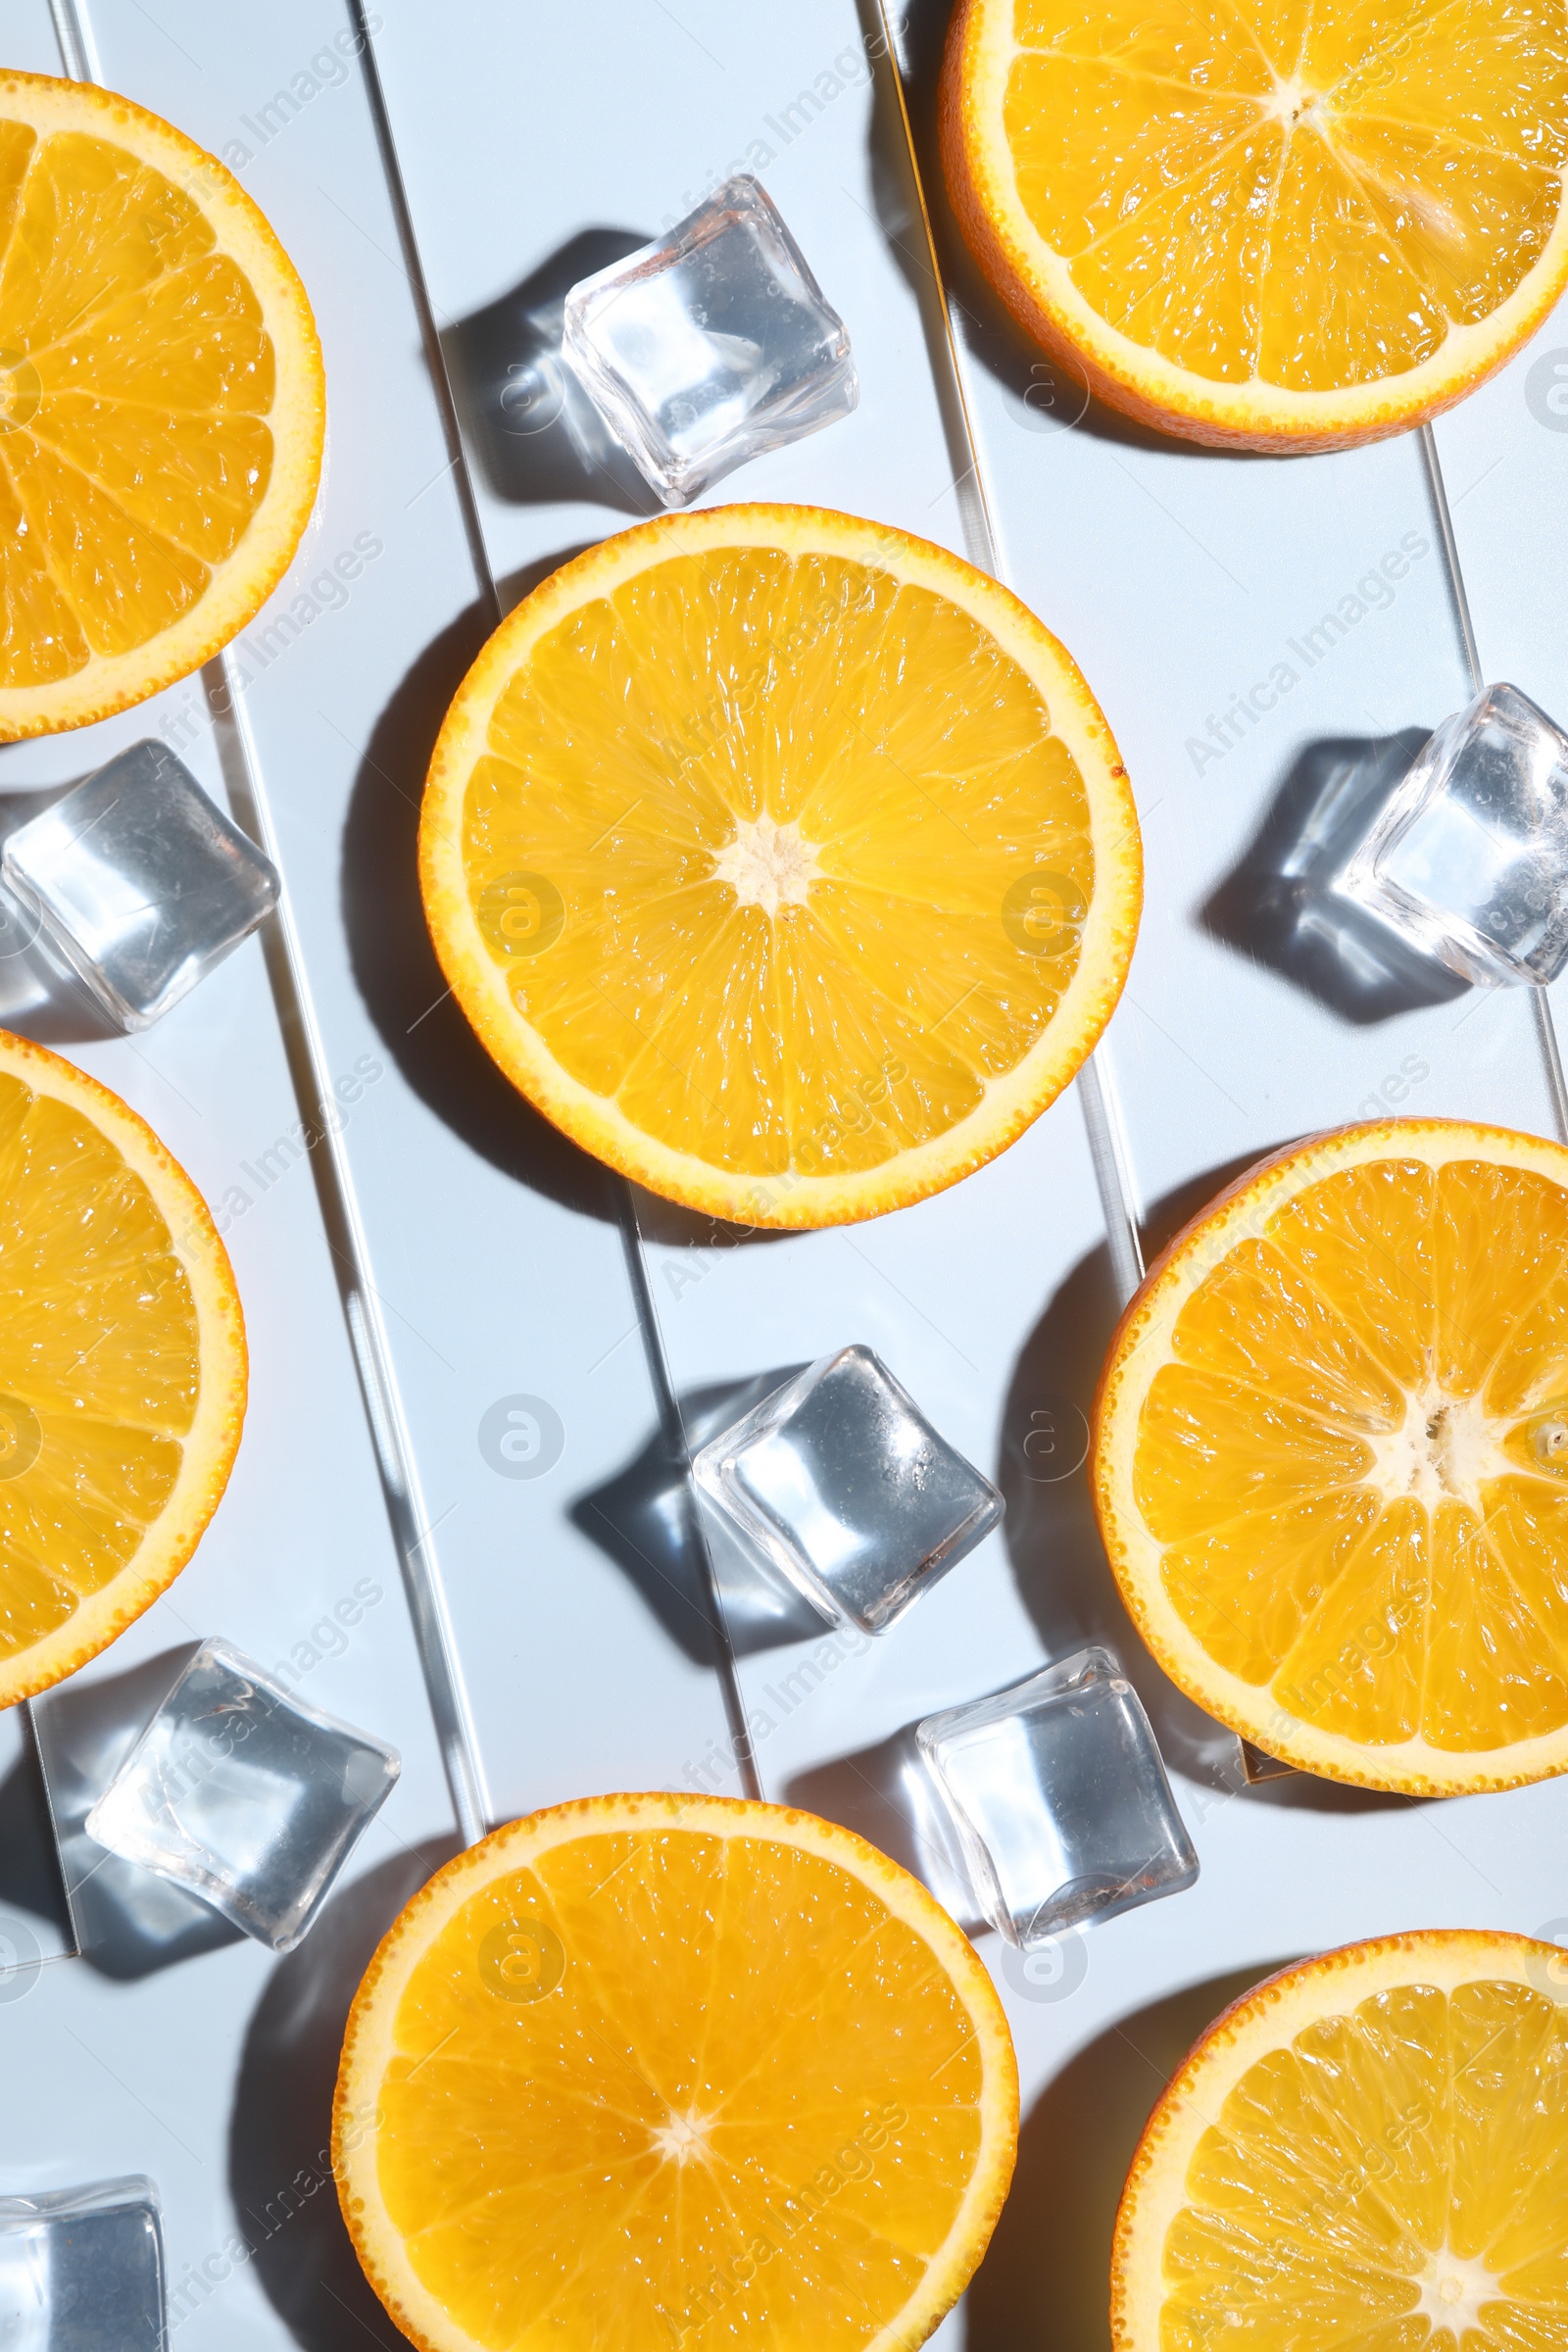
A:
x: 138, y: 883
x: 710, y: 345
x: 1060, y: 1799
x: 1468, y: 859
x: 81, y: 2270
x: 126, y: 1921
x: 840, y: 1483
x: 244, y: 1796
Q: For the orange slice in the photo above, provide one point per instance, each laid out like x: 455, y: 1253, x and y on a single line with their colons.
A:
x: 122, y: 1367
x: 784, y: 861
x: 648, y: 2071
x: 161, y: 406
x: 1369, y: 2151
x: 1331, y: 1456
x: 1270, y: 222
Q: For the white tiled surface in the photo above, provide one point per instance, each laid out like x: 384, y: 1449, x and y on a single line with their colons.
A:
x: 1178, y: 579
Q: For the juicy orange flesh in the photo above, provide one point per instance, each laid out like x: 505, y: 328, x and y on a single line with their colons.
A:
x: 750, y: 2004
x: 1308, y: 196
x: 911, y: 768
x: 135, y: 375
x: 1355, y: 1459
x: 98, y: 1362
x: 1341, y: 2170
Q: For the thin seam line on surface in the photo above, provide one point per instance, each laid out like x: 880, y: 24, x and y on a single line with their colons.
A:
x: 665, y: 1402
x: 1096, y: 1095
x: 673, y: 1422
x: 435, y: 357
x: 440, y: 1670
x: 1540, y: 1008
x: 1451, y: 555
x: 412, y: 1526
x: 984, y: 528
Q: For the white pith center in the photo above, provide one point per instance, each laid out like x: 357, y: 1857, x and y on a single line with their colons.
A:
x: 767, y: 865
x: 684, y: 2138
x: 1298, y: 108
x: 1454, y: 2287
x: 1446, y: 1450
x: 1291, y: 102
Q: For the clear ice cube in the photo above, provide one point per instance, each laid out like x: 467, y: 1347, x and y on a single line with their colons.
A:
x: 761, y: 1606
x: 1060, y: 1799
x: 244, y: 1796
x: 138, y: 883
x: 711, y: 345
x: 81, y: 2270
x: 126, y: 1921
x: 1468, y: 859
x: 839, y: 1481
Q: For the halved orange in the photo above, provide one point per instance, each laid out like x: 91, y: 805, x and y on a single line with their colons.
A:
x: 784, y: 861
x: 647, y: 2071
x: 1279, y: 223
x: 1330, y: 1456
x: 161, y: 406
x: 1368, y: 2150
x: 122, y: 1367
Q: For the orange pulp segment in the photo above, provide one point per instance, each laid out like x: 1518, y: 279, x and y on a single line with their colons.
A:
x: 1266, y: 221
x: 784, y: 861
x: 1332, y: 1456
x: 122, y: 1368
x: 1372, y: 2149
x: 160, y: 405
x: 658, y: 2070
